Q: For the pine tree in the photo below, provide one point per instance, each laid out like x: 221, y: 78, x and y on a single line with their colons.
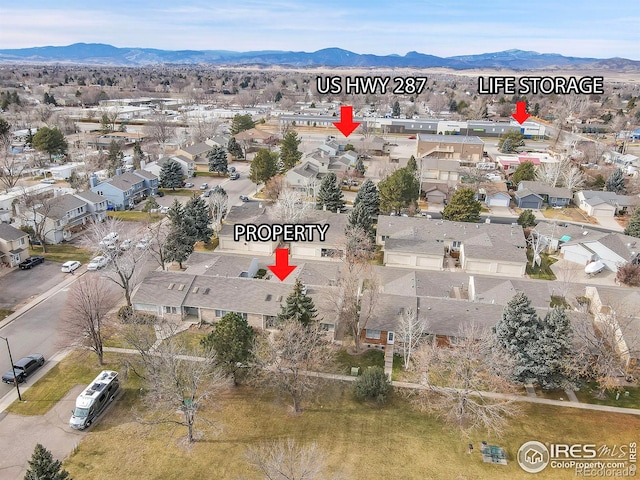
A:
x: 138, y: 155
x: 359, y: 167
x: 171, y: 175
x: 633, y: 228
x: 398, y: 190
x: 218, y: 160
x: 114, y: 158
x: 329, y: 195
x: 198, y: 211
x: 615, y: 182
x: 412, y: 165
x: 368, y: 195
x: 360, y: 218
x: 42, y: 466
x: 234, y: 149
x: 525, y: 171
x: 264, y: 166
x: 298, y: 306
x: 289, y: 152
x: 240, y: 123
x: 514, y: 334
x: 507, y: 146
x: 181, y: 237
x: 552, y: 350
x: 395, y: 109
x: 463, y: 207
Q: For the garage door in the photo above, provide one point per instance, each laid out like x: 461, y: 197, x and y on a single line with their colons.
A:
x: 507, y: 269
x: 575, y: 256
x: 531, y: 205
x: 299, y: 251
x: 397, y: 259
x: 435, y: 197
x: 498, y: 202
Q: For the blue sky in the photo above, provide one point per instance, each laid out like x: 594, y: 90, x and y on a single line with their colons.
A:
x: 454, y: 27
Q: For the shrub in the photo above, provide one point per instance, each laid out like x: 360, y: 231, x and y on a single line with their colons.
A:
x: 629, y: 274
x: 127, y: 315
x: 372, y: 385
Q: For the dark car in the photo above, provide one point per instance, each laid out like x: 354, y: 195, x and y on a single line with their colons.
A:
x: 23, y: 368
x: 31, y: 262
x: 244, y: 198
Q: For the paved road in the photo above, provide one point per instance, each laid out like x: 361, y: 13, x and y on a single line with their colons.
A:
x: 22, y: 285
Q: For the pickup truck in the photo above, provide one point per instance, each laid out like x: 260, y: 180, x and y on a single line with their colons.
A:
x: 23, y: 368
x: 31, y: 262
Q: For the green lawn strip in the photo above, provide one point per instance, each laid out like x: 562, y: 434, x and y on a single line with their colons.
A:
x: 370, y: 358
x: 588, y: 393
x: 5, y: 313
x: 207, y: 247
x: 62, y: 253
x: 78, y: 367
x: 360, y: 441
x: 208, y: 174
x: 542, y: 272
x: 185, y: 192
x: 117, y: 337
x: 135, y: 216
x: 191, y: 340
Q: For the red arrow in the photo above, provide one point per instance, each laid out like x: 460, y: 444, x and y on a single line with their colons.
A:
x: 521, y: 114
x: 282, y: 269
x: 346, y: 124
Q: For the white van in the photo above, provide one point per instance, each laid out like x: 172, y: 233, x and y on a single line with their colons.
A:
x: 94, y: 399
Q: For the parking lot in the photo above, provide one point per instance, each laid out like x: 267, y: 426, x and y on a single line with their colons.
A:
x: 19, y: 286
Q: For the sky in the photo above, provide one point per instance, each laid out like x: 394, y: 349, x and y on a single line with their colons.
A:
x: 584, y: 28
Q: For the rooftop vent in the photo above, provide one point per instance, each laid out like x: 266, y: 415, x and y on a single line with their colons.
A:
x: 279, y: 298
x: 195, y: 290
x: 170, y: 287
x: 206, y: 291
x: 268, y: 297
x: 181, y: 287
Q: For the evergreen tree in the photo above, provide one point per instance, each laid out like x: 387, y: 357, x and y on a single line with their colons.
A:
x: 368, y: 195
x: 234, y: 149
x: 514, y: 334
x: 516, y: 139
x: 298, y: 306
x: 552, y: 349
x: 412, y: 165
x: 395, y: 111
x: 507, y: 146
x: 114, y: 158
x: 181, y: 236
x: 50, y: 141
x: 289, y: 152
x: 218, y: 160
x: 264, y: 166
x: 615, y: 182
x: 198, y: 211
x: 171, y: 175
x: 525, y: 171
x: 330, y: 195
x: 463, y: 207
x: 633, y: 228
x: 138, y: 155
x: 42, y: 466
x: 360, y: 218
x: 232, y: 340
x: 398, y: 190
x: 359, y: 167
x: 240, y: 123
x: 527, y: 219
x: 150, y: 204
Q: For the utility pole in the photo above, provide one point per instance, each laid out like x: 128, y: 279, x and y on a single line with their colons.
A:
x: 13, y: 369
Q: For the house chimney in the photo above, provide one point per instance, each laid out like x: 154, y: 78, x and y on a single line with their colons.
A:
x: 93, y: 180
x: 142, y: 164
x: 118, y: 171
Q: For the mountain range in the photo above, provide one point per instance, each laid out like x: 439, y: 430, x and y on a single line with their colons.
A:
x: 102, y: 54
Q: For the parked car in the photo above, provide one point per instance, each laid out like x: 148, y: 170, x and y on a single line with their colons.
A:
x: 189, y: 185
x: 160, y: 194
x: 97, y: 263
x: 234, y: 176
x: 244, y: 198
x: 111, y: 237
x: 23, y: 368
x: 126, y: 244
x: 31, y: 262
x: 204, y: 186
x: 70, y: 266
x: 144, y: 242
x: 49, y: 181
x: 231, y: 169
x: 164, y: 210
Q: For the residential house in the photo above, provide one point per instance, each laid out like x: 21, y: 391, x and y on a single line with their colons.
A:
x: 526, y: 199
x: 494, y: 194
x: 552, y: 196
x: 63, y: 216
x: 14, y: 245
x: 627, y: 162
x: 124, y: 190
x: 246, y: 213
x: 197, y: 152
x: 436, y: 192
x: 332, y: 248
x: 488, y: 248
x: 598, y: 203
x: 556, y: 234
x: 434, y: 169
x: 499, y: 291
x: 96, y: 204
x: 188, y: 166
x: 184, y: 297
x: 612, y: 249
x: 467, y: 149
x: 317, y: 164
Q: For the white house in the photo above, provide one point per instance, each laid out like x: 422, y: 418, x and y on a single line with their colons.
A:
x: 612, y: 249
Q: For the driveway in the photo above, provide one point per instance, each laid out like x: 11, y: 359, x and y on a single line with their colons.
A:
x: 20, y: 434
x: 610, y: 223
x: 20, y: 286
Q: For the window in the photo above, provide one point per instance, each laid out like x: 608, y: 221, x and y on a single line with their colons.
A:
x: 457, y: 244
x: 171, y: 309
x: 373, y: 334
x: 22, y: 241
x: 221, y: 313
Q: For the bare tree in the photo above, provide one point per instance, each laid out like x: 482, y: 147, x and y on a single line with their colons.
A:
x: 537, y: 243
x: 551, y: 172
x: 219, y: 208
x: 157, y: 247
x: 124, y: 264
x: 573, y: 178
x: 410, y: 330
x: 459, y: 380
x: 160, y: 129
x: 11, y: 168
x: 285, y: 460
x: 177, y: 383
x: 286, y: 357
x: 290, y: 207
x: 36, y: 211
x: 86, y: 312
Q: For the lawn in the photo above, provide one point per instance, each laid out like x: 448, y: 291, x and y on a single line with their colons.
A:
x: 135, y: 216
x: 62, y: 253
x: 359, y: 441
x: 572, y: 214
x: 116, y: 336
x: 185, y: 192
x: 190, y: 340
x: 207, y: 247
x: 5, y: 313
x: 542, y: 272
x: 77, y: 367
x: 370, y: 358
x: 632, y: 400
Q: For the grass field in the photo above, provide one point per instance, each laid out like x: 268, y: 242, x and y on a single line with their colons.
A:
x: 62, y: 253
x: 359, y: 441
x: 135, y: 216
x: 207, y: 247
x: 5, y: 313
x: 542, y: 272
x: 185, y: 192
x: 631, y: 400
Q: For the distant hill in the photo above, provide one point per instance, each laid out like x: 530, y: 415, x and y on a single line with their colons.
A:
x: 101, y: 54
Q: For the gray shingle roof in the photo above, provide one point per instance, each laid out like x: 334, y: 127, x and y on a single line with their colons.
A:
x: 542, y: 188
x: 91, y: 197
x: 63, y: 204
x: 125, y: 181
x: 10, y: 233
